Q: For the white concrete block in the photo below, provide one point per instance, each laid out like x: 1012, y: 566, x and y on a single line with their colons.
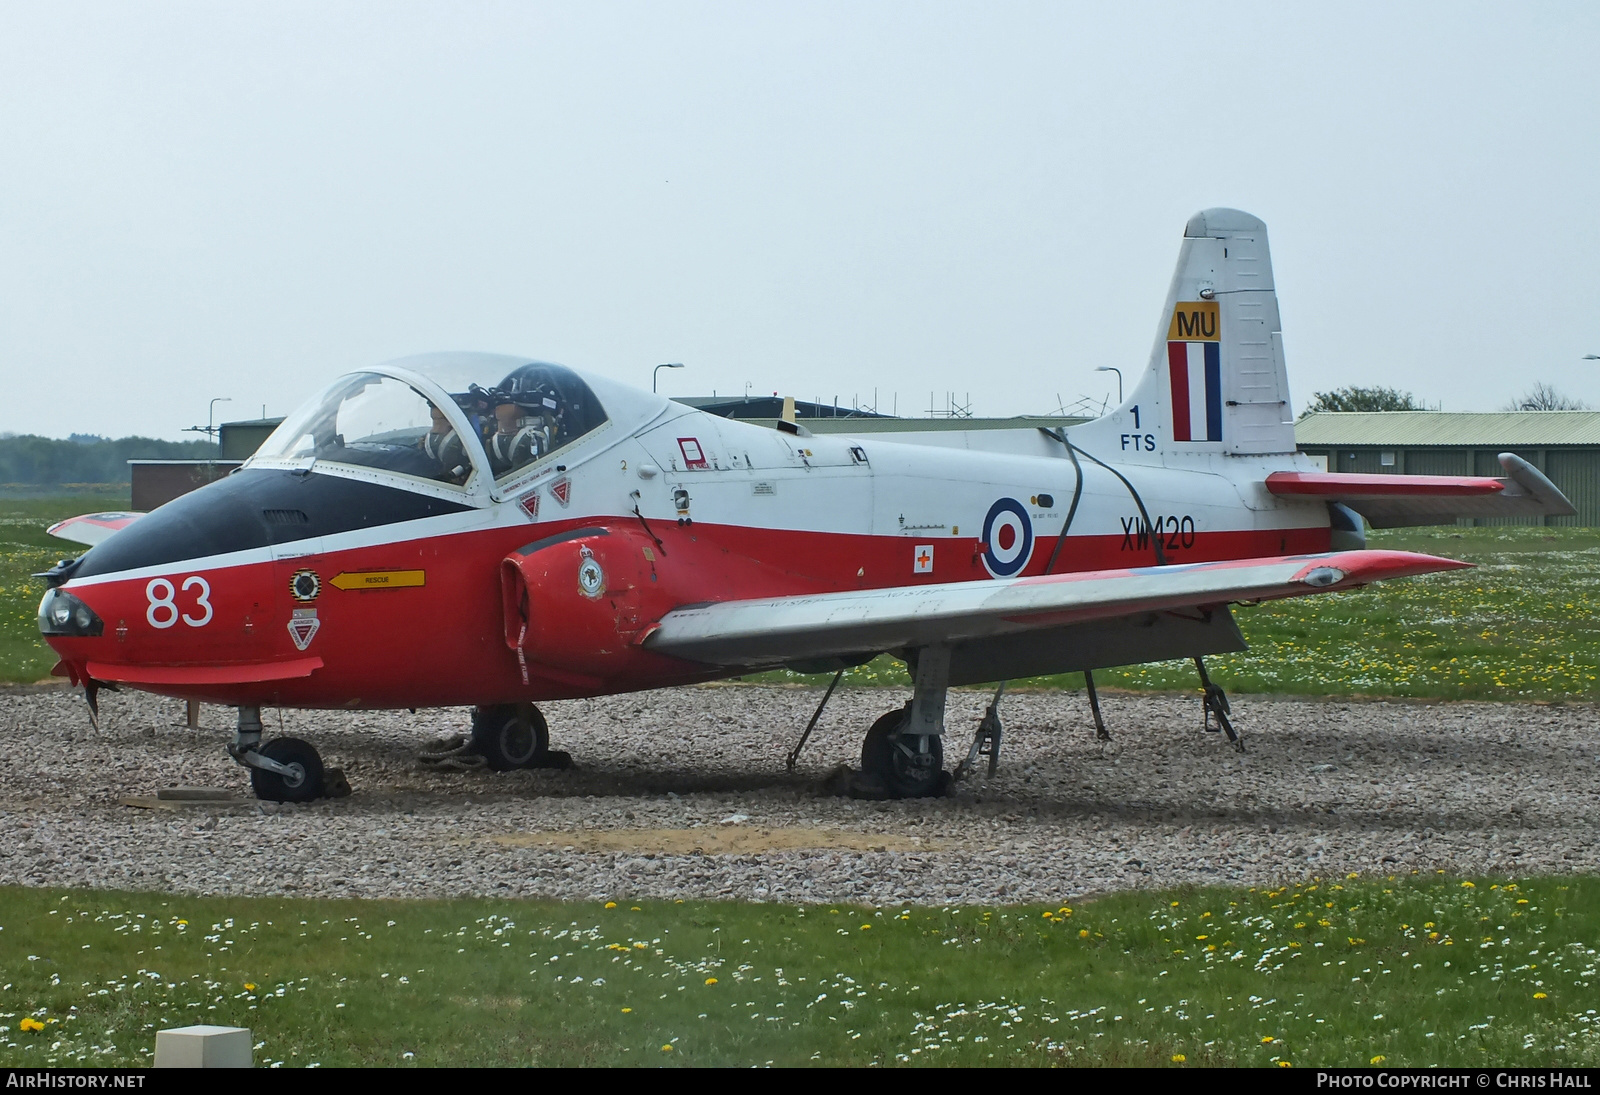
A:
x: 204, y: 1047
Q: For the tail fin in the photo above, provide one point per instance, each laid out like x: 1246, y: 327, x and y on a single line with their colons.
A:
x: 1216, y: 382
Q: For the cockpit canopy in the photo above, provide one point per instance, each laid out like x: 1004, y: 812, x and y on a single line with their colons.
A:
x: 499, y: 424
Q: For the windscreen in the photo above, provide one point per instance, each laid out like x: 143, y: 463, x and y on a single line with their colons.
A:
x: 372, y: 421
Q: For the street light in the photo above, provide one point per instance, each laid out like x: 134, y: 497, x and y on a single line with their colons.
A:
x: 1113, y: 369
x: 669, y: 365
x: 209, y: 429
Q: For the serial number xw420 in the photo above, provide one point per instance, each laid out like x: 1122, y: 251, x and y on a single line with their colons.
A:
x: 1174, y: 533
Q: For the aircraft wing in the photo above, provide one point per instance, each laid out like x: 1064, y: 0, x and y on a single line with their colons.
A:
x: 91, y: 528
x: 786, y: 629
x: 1393, y: 501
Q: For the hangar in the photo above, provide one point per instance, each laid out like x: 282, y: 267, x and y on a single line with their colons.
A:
x: 1564, y: 445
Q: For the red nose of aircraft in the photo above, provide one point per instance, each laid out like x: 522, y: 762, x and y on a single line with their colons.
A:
x: 217, y: 594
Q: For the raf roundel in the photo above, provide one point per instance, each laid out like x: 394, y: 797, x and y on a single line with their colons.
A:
x: 1007, y: 538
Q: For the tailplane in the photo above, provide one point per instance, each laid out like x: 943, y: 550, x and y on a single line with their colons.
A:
x: 1216, y: 382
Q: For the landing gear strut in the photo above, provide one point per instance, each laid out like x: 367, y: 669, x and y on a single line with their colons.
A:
x: 282, y: 770
x: 903, y: 752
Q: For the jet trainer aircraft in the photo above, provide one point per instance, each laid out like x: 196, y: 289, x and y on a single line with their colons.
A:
x: 489, y: 531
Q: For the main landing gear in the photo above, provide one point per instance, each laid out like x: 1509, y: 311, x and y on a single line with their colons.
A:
x: 514, y: 735
x: 902, y: 752
x: 282, y: 770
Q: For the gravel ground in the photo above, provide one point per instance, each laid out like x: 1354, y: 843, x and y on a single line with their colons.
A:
x: 683, y: 793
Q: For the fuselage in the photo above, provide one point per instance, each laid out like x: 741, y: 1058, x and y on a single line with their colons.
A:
x: 305, y: 582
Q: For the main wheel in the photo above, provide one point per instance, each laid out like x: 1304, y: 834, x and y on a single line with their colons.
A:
x: 510, y: 735
x: 304, y: 782
x: 908, y: 765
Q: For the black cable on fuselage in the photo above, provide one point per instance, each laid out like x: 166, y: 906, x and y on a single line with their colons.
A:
x: 1072, y: 511
x: 1155, y: 540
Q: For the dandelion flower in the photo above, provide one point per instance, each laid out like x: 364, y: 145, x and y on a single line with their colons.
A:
x: 249, y: 986
x: 1538, y: 996
x: 1179, y: 1058
x: 1284, y: 1064
x: 30, y: 1023
x: 1268, y: 1040
x: 711, y: 980
x: 1378, y: 1060
x: 866, y: 927
x: 611, y: 904
x: 1047, y: 914
x: 666, y: 1049
x: 1468, y: 886
x: 1083, y: 933
x: 627, y: 1011
x: 635, y: 908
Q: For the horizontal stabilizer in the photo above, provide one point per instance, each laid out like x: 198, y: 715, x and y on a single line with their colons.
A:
x: 1396, y: 501
x: 92, y: 528
x: 784, y: 629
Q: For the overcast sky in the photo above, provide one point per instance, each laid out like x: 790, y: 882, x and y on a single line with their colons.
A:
x: 242, y: 199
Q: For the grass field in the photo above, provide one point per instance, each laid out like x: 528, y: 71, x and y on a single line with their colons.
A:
x: 1410, y: 971
x: 1523, y: 625
x: 25, y: 550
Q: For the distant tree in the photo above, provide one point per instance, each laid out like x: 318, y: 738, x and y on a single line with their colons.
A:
x: 1545, y: 397
x: 29, y: 459
x: 1363, y: 399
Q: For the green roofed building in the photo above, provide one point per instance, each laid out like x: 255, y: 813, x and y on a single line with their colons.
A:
x: 1565, y: 445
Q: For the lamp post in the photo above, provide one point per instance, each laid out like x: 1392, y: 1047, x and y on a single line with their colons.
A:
x: 1113, y: 369
x: 211, y: 415
x: 210, y: 429
x: 668, y: 365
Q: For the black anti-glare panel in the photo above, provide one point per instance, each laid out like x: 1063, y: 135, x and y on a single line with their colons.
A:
x: 250, y: 509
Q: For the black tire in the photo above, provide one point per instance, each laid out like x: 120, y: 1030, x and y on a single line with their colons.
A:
x: 303, y: 787
x: 510, y: 735
x: 907, y: 765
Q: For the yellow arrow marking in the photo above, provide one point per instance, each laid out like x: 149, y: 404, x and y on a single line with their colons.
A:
x: 378, y: 579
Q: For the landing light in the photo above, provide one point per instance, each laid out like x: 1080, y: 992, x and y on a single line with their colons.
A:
x: 60, y: 613
x: 1322, y: 577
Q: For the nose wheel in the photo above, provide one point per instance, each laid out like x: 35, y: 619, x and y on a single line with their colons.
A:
x: 283, y: 769
x: 296, y: 777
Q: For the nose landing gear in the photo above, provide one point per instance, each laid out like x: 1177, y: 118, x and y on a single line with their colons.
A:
x: 282, y: 770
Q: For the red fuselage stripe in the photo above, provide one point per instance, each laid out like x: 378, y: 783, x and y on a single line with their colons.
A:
x: 443, y: 643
